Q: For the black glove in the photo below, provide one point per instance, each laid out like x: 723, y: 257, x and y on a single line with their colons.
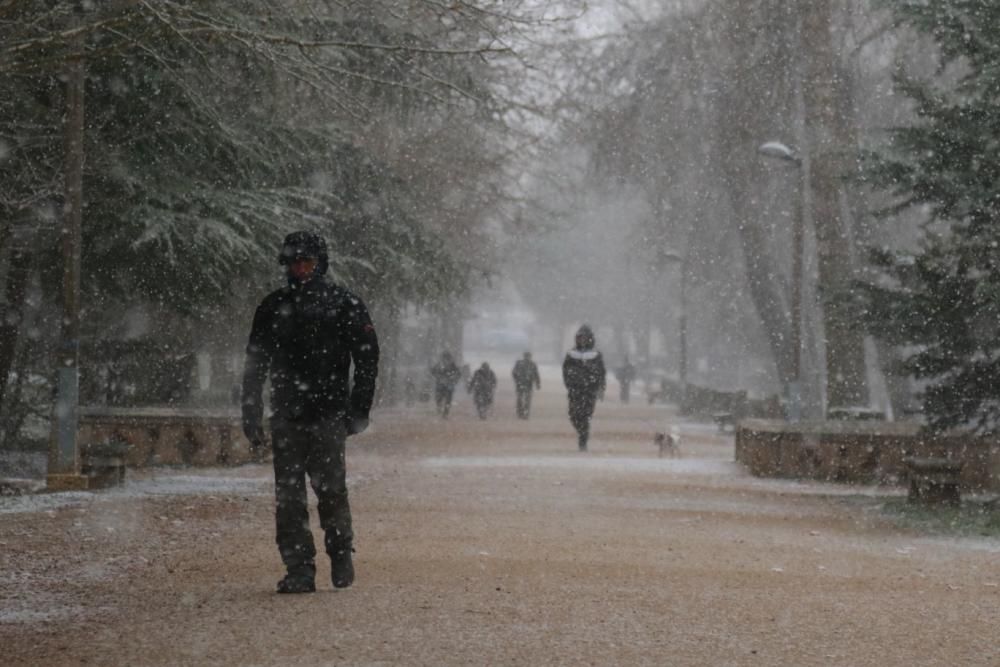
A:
x: 257, y: 447
x: 356, y: 424
x: 253, y: 427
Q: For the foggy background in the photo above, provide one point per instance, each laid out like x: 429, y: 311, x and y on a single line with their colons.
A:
x: 488, y: 176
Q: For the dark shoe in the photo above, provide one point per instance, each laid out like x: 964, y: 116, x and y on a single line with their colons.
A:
x: 297, y: 583
x: 342, y: 568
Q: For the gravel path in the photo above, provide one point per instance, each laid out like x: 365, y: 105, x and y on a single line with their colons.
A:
x: 496, y: 543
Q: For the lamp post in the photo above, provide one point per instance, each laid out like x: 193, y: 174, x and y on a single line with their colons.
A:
x: 779, y: 151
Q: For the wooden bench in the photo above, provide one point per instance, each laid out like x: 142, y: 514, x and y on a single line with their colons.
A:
x: 933, y: 480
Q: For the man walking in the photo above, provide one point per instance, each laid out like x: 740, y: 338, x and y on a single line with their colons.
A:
x: 305, y: 336
x: 483, y: 386
x: 584, y: 376
x: 526, y: 380
x: 446, y: 374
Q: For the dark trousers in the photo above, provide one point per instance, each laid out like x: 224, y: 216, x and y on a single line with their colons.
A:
x: 581, y: 409
x: 523, y: 402
x: 442, y: 396
x: 483, y: 404
x: 316, y: 449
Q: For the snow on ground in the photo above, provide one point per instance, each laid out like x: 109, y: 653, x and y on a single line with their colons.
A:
x: 497, y: 542
x: 159, y: 483
x: 45, y: 502
x: 676, y: 466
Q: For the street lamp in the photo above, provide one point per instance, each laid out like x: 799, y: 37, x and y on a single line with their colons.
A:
x: 779, y: 151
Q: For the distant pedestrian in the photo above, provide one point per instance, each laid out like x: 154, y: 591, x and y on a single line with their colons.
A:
x: 306, y: 336
x: 446, y: 374
x: 584, y: 376
x: 625, y: 376
x: 483, y: 386
x: 526, y: 380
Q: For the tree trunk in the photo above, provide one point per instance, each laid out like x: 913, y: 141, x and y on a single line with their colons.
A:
x: 830, y: 136
x: 754, y: 102
x: 452, y: 329
x: 387, y: 392
x: 12, y: 312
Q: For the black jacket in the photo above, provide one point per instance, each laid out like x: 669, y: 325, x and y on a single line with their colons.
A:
x: 584, y: 372
x: 483, y: 383
x: 306, y: 336
x: 446, y: 374
x: 525, y: 375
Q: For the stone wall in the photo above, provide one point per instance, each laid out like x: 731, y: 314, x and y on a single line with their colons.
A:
x: 167, y: 436
x: 859, y: 452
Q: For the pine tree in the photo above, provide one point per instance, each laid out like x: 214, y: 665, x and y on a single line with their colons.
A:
x: 213, y: 128
x: 941, y: 302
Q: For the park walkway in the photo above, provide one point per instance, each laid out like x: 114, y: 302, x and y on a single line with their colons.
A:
x: 497, y: 543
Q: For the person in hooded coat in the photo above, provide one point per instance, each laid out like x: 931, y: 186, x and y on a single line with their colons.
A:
x: 483, y: 386
x: 306, y: 335
x: 584, y: 376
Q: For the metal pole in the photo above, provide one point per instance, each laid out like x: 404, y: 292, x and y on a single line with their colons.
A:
x: 64, y: 457
x: 795, y: 386
x: 682, y: 370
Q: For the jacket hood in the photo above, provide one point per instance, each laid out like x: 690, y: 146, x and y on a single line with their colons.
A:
x: 304, y: 244
x: 584, y: 338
